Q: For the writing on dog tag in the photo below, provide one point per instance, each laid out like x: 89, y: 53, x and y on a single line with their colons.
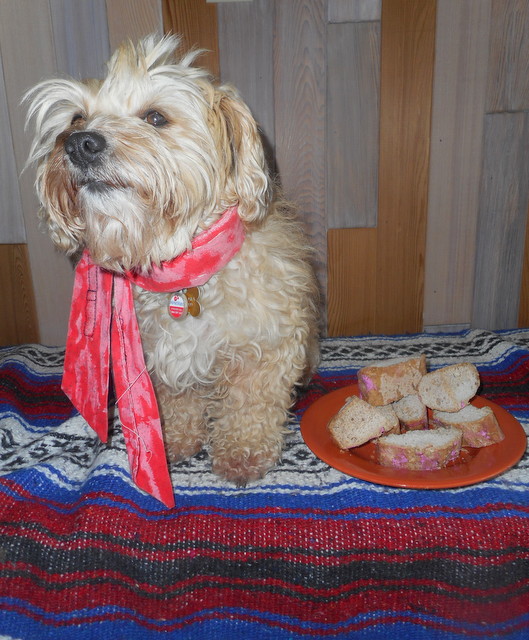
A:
x: 183, y: 302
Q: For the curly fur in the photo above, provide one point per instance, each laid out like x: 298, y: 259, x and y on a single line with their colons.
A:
x: 225, y: 379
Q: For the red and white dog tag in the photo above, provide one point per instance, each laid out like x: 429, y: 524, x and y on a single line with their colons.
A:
x: 184, y: 302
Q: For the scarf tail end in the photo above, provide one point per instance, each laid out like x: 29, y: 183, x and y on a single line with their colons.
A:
x: 97, y: 420
x: 162, y: 489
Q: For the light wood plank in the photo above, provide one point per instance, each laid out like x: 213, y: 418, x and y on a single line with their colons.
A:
x: 339, y: 11
x: 407, y: 59
x: 462, y: 42
x: 446, y: 328
x: 18, y: 320
x: 353, y: 85
x: 523, y: 311
x: 508, y: 85
x: 502, y: 220
x: 27, y: 59
x: 246, y: 56
x: 80, y: 37
x: 11, y: 215
x: 133, y: 19
x: 299, y: 68
x: 196, y: 21
x: 352, y: 255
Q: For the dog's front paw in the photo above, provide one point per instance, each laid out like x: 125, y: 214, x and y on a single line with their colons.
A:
x: 184, y: 425
x: 181, y: 449
x: 243, y: 468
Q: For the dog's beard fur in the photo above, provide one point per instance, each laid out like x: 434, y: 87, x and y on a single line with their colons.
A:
x: 139, y: 207
x: 153, y: 188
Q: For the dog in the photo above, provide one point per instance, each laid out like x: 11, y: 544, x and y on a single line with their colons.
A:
x: 133, y: 169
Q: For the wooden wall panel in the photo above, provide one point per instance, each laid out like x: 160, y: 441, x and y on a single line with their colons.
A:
x: 508, y: 84
x: 523, y: 311
x: 353, y: 10
x: 461, y: 71
x: 196, y: 21
x: 299, y: 68
x: 502, y: 271
x: 502, y: 220
x: 28, y: 55
x: 11, y: 216
x: 293, y: 106
x: 246, y: 56
x: 508, y: 90
x: 80, y: 53
x: 18, y: 319
x: 352, y: 124
x: 133, y: 19
x: 352, y: 256
x: 406, y: 76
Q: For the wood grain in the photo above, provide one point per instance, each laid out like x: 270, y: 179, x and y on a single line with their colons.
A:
x: 508, y: 83
x: 352, y: 255
x: 18, y: 319
x: 339, y: 11
x: 196, y: 21
x: 133, y: 19
x: 502, y: 220
x: 353, y: 85
x: 462, y: 42
x: 523, y: 311
x: 80, y: 52
x: 11, y: 216
x: 246, y: 57
x: 27, y: 59
x: 407, y: 57
x: 299, y: 68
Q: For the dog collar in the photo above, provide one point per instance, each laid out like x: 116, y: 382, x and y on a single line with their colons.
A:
x: 103, y: 330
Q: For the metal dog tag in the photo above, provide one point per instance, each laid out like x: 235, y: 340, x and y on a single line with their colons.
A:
x: 184, y: 302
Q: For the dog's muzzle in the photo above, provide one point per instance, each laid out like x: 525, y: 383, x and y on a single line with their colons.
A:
x: 85, y: 148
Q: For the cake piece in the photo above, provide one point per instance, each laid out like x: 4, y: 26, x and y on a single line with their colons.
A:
x: 478, y: 425
x: 411, y: 412
x: 389, y: 411
x: 357, y: 422
x: 450, y: 388
x: 390, y: 380
x: 426, y: 450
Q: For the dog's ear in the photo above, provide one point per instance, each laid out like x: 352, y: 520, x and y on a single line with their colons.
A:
x: 248, y: 171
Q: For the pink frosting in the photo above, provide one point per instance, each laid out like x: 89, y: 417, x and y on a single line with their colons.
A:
x: 367, y: 382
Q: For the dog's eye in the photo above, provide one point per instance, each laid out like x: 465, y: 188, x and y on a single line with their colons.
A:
x: 77, y: 117
x: 154, y: 118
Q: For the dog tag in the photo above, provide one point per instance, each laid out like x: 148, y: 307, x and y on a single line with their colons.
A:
x: 193, y: 306
x: 178, y: 305
x: 183, y: 302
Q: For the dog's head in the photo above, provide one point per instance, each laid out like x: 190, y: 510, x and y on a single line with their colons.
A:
x: 134, y: 166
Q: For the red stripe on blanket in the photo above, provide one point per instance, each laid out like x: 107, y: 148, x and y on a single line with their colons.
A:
x: 484, y: 606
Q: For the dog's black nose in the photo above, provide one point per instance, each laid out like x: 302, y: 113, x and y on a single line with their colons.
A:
x: 84, y: 147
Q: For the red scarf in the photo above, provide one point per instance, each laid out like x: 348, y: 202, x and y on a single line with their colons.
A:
x: 103, y: 325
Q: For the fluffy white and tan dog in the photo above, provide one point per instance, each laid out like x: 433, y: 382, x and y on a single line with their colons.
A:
x: 134, y: 168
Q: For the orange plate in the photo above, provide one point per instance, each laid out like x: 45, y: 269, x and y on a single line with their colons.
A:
x: 472, y: 466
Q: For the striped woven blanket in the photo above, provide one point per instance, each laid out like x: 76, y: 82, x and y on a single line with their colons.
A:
x: 308, y: 552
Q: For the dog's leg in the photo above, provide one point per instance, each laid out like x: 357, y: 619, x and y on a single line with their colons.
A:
x: 248, y: 423
x: 184, y: 423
